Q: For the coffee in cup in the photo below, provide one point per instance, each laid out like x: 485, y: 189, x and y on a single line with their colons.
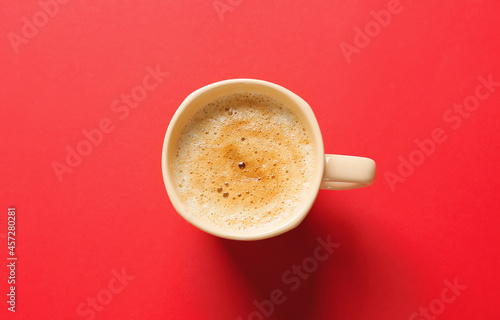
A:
x: 243, y: 162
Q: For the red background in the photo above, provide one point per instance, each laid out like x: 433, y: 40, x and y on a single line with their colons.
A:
x: 399, y: 241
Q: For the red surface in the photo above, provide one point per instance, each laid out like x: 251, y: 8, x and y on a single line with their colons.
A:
x: 400, y: 240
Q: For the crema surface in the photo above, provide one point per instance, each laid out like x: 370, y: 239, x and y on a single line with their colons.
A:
x: 244, y: 161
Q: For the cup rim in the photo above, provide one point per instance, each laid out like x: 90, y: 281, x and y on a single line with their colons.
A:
x: 298, y: 217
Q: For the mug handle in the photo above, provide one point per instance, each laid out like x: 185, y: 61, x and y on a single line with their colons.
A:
x: 347, y: 172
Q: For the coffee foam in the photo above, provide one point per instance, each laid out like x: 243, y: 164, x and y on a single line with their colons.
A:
x: 244, y: 161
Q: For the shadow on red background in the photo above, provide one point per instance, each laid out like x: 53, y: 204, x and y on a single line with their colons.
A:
x: 285, y: 263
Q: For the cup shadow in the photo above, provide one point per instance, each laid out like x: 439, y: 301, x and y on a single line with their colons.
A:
x: 300, y: 264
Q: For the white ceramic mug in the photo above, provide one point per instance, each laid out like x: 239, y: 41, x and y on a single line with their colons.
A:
x: 334, y: 172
